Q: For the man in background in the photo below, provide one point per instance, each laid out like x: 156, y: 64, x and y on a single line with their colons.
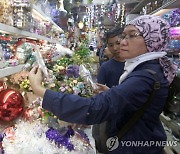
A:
x: 109, y: 74
x: 111, y: 70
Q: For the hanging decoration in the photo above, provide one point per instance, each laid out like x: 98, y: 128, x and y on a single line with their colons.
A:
x: 173, y: 17
x: 6, y: 12
x: 20, y: 13
x: 117, y: 13
x: 122, y: 15
x: 59, y: 15
x: 80, y: 25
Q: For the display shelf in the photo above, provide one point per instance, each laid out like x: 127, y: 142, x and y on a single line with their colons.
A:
x: 174, y: 149
x: 56, y: 58
x: 169, y: 5
x: 10, y: 70
x: 37, y: 10
x: 166, y: 7
x: 170, y: 123
x: 139, y: 6
x: 21, y: 33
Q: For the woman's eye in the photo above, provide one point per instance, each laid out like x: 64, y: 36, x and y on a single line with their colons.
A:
x: 131, y: 35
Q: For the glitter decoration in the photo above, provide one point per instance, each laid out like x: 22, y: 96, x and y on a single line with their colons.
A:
x: 174, y: 19
x: 61, y: 140
x: 42, y: 140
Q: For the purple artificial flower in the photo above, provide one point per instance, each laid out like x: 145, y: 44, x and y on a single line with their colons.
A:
x: 54, y: 135
x: 73, y: 71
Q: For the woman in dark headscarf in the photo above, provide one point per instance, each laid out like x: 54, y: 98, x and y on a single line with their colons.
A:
x: 142, y: 45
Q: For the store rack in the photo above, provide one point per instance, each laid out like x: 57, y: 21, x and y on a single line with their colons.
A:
x: 18, y: 33
x: 169, y: 5
x: 56, y: 58
x: 21, y: 33
x: 139, y: 6
x: 175, y: 149
x: 37, y: 10
x: 170, y: 123
x: 6, y: 29
x: 10, y: 70
x: 166, y: 7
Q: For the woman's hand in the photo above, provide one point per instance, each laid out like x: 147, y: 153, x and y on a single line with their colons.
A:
x: 36, y: 78
x: 101, y: 88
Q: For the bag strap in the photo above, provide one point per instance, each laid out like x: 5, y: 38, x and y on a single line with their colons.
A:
x: 138, y: 114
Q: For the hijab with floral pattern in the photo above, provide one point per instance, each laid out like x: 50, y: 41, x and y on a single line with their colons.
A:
x: 155, y: 31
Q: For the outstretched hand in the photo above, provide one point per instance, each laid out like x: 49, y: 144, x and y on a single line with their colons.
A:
x: 36, y: 78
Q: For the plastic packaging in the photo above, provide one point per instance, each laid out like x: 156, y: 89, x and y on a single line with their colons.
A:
x: 85, y: 73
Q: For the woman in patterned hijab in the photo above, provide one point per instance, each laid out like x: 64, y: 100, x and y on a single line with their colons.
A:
x: 155, y: 32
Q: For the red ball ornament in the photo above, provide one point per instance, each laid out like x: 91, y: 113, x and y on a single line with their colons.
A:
x: 11, y: 104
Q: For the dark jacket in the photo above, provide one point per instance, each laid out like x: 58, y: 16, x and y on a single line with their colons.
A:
x: 117, y: 105
x: 110, y: 72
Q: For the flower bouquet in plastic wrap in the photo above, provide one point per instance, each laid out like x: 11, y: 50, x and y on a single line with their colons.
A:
x: 86, y: 75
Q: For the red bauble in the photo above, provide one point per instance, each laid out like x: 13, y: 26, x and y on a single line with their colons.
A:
x: 11, y: 104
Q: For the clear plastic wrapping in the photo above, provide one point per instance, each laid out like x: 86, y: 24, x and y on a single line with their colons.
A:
x: 85, y: 73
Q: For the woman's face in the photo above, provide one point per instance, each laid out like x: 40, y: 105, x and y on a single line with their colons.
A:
x: 132, y: 43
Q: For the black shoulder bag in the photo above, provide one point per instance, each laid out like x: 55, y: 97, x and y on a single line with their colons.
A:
x: 133, y: 120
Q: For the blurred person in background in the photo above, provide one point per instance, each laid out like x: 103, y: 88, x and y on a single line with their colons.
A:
x: 109, y: 74
x: 111, y: 70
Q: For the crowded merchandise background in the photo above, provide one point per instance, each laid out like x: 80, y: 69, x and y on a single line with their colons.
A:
x: 67, y: 40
